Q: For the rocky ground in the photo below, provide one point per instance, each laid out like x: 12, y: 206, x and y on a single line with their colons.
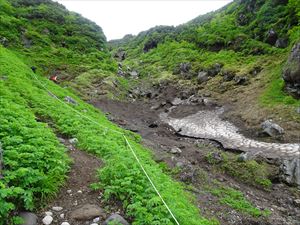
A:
x: 184, y: 149
x: 180, y: 151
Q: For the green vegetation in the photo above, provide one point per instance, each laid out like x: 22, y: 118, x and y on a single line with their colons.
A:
x: 250, y: 171
x: 22, y: 187
x: 236, y: 200
x: 45, y: 35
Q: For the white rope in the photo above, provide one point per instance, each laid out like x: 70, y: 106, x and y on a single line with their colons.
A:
x: 126, y: 140
x: 142, y: 167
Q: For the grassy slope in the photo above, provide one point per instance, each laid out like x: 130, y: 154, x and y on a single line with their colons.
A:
x: 60, y: 42
x: 31, y: 172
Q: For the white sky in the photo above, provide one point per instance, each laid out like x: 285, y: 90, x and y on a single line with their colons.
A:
x: 120, y: 17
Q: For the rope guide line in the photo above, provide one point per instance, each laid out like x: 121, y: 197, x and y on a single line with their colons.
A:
x: 117, y: 132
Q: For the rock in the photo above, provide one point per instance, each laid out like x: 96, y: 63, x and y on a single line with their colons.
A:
x: 297, y: 202
x: 4, y: 41
x: 281, y: 43
x: 120, y: 54
x: 291, y: 71
x: 175, y: 150
x: 70, y: 100
x: 183, y: 70
x: 134, y: 74
x: 202, y: 77
x: 153, y: 124
x: 65, y: 223
x: 57, y: 208
x: 216, y: 157
x: 115, y: 218
x: 79, y: 191
x: 73, y: 141
x: 228, y: 75
x: 47, y: 220
x: 240, y: 80
x: 209, y: 102
x: 87, y: 212
x: 29, y: 218
x: 213, y: 71
x: 290, y: 171
x: 150, y: 44
x: 94, y: 223
x: 69, y: 191
x: 180, y: 164
x: 97, y: 219
x: 49, y: 213
x: 271, y: 37
x: 176, y: 101
x: 188, y: 174
x: 62, y: 216
x: 243, y: 157
x: 298, y: 110
x: 121, y: 73
x: 272, y: 129
x: 256, y: 70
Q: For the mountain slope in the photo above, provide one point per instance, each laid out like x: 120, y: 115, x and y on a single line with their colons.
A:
x: 235, y: 55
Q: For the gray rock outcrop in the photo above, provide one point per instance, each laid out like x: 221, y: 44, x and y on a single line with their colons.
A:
x: 290, y: 171
x: 291, y: 72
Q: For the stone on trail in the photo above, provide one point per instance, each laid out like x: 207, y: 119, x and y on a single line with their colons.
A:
x: 65, y: 223
x: 57, y: 208
x: 175, y: 150
x: 272, y: 129
x: 87, y: 212
x: 47, y: 220
x: 48, y: 213
x: 115, y: 218
x: 29, y: 218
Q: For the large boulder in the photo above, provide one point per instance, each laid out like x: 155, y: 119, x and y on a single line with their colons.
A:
x: 291, y: 72
x: 202, y: 77
x: 272, y: 129
x: 290, y: 171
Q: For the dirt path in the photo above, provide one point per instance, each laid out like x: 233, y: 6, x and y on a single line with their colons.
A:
x: 143, y: 117
x: 77, y: 192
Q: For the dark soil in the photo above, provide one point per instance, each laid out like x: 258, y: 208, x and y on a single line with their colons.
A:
x: 82, y: 174
x: 160, y: 138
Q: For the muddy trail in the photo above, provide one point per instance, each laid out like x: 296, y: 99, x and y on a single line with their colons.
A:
x: 189, y: 154
x: 77, y: 203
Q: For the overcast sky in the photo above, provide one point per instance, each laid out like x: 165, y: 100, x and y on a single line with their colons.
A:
x: 120, y: 17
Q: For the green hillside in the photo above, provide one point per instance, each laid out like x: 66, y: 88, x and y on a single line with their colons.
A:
x: 240, y: 49
x: 235, y: 47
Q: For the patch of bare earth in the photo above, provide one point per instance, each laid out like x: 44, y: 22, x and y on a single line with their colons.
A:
x: 77, y: 192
